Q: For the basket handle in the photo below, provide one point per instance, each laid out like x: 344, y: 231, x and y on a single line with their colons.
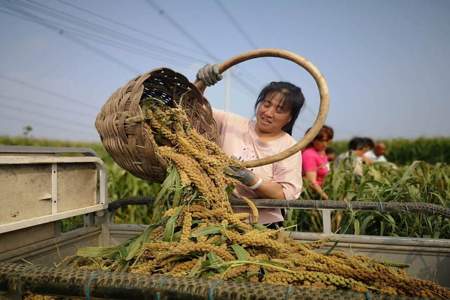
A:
x: 312, y: 70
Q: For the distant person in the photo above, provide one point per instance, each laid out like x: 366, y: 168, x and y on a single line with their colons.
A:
x: 315, y: 166
x: 377, y: 154
x: 369, y: 143
x: 331, y: 154
x: 354, y: 157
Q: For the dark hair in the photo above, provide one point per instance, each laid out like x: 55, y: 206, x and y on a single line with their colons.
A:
x: 357, y: 143
x: 369, y: 142
x: 293, y: 97
x: 324, y: 132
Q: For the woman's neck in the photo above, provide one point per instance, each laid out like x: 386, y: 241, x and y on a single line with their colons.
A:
x: 268, y: 136
x: 320, y: 151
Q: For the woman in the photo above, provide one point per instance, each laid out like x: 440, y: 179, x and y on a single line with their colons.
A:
x: 276, y: 110
x: 315, y: 165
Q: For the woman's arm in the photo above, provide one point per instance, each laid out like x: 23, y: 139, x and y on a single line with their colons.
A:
x: 220, y: 117
x: 286, y: 182
x: 310, y: 167
x: 263, y: 189
x: 312, y: 177
x: 270, y: 190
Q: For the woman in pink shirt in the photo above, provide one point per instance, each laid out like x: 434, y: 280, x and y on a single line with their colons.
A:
x: 315, y: 161
x: 276, y: 110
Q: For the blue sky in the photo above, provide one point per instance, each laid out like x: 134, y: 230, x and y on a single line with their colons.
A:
x: 386, y: 62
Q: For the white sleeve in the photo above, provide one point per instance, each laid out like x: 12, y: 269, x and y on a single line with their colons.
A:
x: 288, y: 173
x: 370, y: 155
x: 220, y: 117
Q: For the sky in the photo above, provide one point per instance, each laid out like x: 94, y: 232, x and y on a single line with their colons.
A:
x: 386, y: 62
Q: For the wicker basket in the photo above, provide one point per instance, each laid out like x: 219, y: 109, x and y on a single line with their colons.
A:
x: 125, y: 134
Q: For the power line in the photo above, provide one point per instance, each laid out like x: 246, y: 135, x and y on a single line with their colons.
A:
x: 43, y: 123
x: 43, y: 115
x: 99, y: 28
x: 43, y: 105
x: 34, y: 18
x: 96, y: 32
x: 64, y: 29
x: 146, y: 33
x: 38, y: 20
x: 246, y: 36
x: 252, y: 43
x: 40, y: 123
x: 180, y: 28
x: 104, y: 54
x: 52, y: 93
x: 163, y: 13
x: 121, y: 46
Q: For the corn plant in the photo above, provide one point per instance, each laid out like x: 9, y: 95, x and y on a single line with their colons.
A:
x: 122, y: 185
x: 418, y: 182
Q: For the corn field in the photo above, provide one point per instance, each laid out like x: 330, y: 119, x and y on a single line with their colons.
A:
x: 418, y: 182
x: 415, y: 182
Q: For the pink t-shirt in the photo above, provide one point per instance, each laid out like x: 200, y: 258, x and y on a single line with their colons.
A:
x: 237, y: 137
x: 314, y: 161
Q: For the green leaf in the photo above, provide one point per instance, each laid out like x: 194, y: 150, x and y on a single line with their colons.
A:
x: 240, y: 252
x: 123, y: 252
x: 136, y: 245
x: 259, y: 226
x: 167, y: 184
x: 206, y: 231
x: 170, y: 226
x: 356, y: 226
x: 365, y: 223
x: 97, y: 251
x: 213, y: 259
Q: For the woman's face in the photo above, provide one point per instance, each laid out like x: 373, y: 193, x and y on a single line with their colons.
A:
x: 321, y: 144
x: 272, y: 114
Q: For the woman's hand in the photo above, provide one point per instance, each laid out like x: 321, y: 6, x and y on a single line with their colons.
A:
x: 312, y: 177
x: 324, y: 196
x: 245, y: 176
x: 263, y: 189
x: 209, y: 74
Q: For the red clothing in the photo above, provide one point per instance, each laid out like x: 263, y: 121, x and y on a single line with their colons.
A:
x: 313, y: 161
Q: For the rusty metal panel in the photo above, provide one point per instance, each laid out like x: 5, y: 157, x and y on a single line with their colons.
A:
x: 26, y: 236
x: 41, y: 189
x: 49, y: 250
x: 77, y: 186
x: 25, y: 192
